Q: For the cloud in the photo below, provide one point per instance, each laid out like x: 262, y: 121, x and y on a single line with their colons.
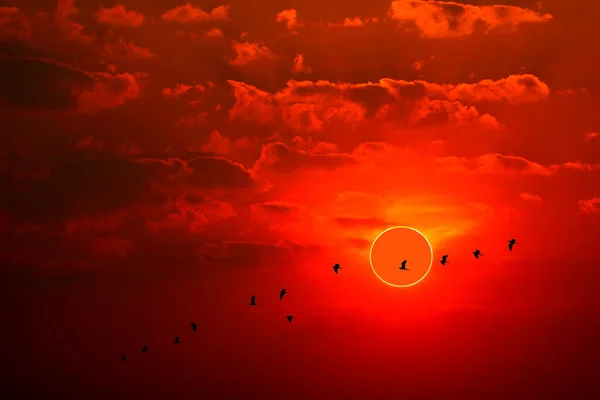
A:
x: 69, y: 41
x: 590, y: 206
x: 255, y: 252
x: 290, y: 18
x: 439, y: 19
x: 303, y: 154
x: 58, y: 86
x: 279, y: 157
x: 515, y: 89
x: 206, y: 172
x: 192, y: 214
x: 108, y: 91
x: 494, y: 164
x: 248, y: 52
x: 214, y: 33
x: 530, y: 198
x: 75, y: 185
x: 115, y: 47
x: 433, y: 112
x: 579, y: 166
x: 186, y: 13
x: 417, y: 65
x: 589, y: 136
x: 14, y: 24
x: 309, y: 106
x: 355, y: 22
x: 277, y: 207
x: 181, y: 89
x: 212, y: 172
x: 299, y: 65
x: 80, y: 184
x: 118, y: 15
x: 217, y: 144
x: 302, y: 106
x: 71, y: 30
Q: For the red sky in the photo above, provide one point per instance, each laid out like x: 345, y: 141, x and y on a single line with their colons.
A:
x: 161, y: 162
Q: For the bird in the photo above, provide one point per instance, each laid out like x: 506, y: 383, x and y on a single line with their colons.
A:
x: 282, y: 293
x: 123, y: 357
x: 144, y: 349
x: 403, y: 267
x: 444, y: 260
x: 511, y: 243
x: 289, y: 318
x: 253, y: 300
x: 193, y: 325
x: 336, y: 267
x: 176, y: 341
x: 477, y: 253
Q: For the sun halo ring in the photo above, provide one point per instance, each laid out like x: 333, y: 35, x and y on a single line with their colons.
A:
x: 378, y: 275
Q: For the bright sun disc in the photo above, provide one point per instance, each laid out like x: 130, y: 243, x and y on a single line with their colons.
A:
x: 394, y: 245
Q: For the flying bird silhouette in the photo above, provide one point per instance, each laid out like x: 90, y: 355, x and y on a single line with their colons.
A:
x: 193, y: 325
x: 403, y: 267
x: 123, y: 357
x: 176, y: 341
x: 282, y: 293
x: 144, y: 349
x: 253, y: 300
x: 290, y: 318
x: 444, y: 260
x: 511, y: 243
x: 477, y: 253
x: 336, y: 267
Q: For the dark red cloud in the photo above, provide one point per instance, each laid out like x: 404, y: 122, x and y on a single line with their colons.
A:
x: 440, y: 19
x: 187, y: 13
x: 311, y: 106
x: 57, y: 86
x: 120, y: 16
x: 590, y: 206
x: 14, y: 24
x: 496, y: 164
x: 278, y: 157
x: 74, y: 185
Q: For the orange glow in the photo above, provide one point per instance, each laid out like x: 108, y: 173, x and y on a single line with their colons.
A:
x: 394, y: 245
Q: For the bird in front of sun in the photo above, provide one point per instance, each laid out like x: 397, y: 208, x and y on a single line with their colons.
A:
x: 477, y: 253
x: 123, y: 357
x: 253, y: 300
x: 336, y: 267
x: 194, y: 326
x: 511, y: 243
x: 282, y: 293
x: 289, y: 318
x: 403, y: 266
x: 176, y: 340
x: 144, y: 349
x: 444, y: 260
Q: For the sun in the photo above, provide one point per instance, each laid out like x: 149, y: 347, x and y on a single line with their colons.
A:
x: 394, y: 246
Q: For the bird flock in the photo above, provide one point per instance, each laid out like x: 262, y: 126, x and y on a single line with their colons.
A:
x: 336, y: 267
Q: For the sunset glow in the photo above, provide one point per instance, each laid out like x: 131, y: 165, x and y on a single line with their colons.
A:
x: 163, y: 161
